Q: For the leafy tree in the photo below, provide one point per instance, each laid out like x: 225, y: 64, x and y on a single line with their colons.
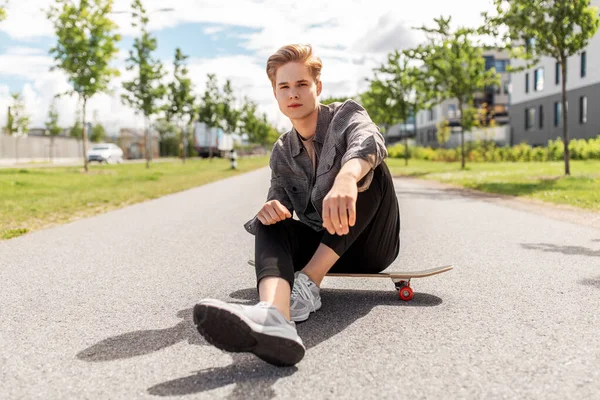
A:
x: 86, y: 44
x: 2, y: 12
x: 98, y: 133
x: 531, y: 29
x: 144, y: 91
x: 333, y: 99
x: 18, y: 119
x: 397, y: 93
x: 230, y: 115
x: 443, y: 131
x: 77, y: 130
x: 454, y: 67
x: 52, y: 127
x: 256, y: 125
x: 181, y: 107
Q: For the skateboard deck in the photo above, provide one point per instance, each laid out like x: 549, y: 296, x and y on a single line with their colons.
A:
x: 401, y: 279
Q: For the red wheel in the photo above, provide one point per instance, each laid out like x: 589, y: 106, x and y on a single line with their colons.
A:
x: 406, y: 293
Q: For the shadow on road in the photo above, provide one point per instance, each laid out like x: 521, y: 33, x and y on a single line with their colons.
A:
x: 594, y: 282
x: 569, y: 250
x: 251, y: 375
x: 447, y: 194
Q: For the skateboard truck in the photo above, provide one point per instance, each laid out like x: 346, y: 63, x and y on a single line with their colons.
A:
x: 403, y: 288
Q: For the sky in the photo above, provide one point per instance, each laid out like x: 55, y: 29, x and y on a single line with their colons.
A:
x: 230, y: 38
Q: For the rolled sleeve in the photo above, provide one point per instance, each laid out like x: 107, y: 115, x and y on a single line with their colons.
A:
x: 363, y: 140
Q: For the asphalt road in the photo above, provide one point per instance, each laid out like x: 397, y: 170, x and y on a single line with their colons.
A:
x: 101, y: 308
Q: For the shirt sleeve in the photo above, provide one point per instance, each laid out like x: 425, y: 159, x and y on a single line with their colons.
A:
x: 276, y: 192
x: 363, y: 139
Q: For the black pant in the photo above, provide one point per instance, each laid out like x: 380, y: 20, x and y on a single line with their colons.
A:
x: 371, y: 245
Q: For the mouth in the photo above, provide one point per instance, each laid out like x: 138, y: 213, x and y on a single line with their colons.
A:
x: 295, y: 105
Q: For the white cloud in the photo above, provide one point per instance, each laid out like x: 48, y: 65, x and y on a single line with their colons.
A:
x: 351, y: 37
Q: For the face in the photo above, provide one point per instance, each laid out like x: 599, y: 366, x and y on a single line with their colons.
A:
x: 296, y: 91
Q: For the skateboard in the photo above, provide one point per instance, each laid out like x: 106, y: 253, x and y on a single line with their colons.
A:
x: 401, y: 279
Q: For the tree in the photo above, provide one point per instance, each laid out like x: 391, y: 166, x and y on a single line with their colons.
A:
x: 2, y: 12
x: 98, y: 133
x: 210, y: 104
x: 77, y: 130
x: 85, y: 47
x: 553, y: 28
x: 52, y: 127
x: 229, y: 114
x: 454, y: 67
x: 256, y: 126
x: 17, y: 123
x: 180, y: 107
x: 333, y: 99
x: 398, y: 94
x: 18, y: 119
x: 145, y: 90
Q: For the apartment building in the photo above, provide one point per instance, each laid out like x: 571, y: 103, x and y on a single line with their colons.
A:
x: 497, y: 99
x: 536, y: 100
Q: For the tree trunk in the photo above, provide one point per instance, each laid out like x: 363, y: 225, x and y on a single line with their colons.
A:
x: 564, y: 113
x: 462, y: 134
x: 185, y: 143
x: 405, y: 149
x: 147, y: 141
x: 85, y: 136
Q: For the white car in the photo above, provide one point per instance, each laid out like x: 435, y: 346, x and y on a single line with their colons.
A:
x: 106, y: 153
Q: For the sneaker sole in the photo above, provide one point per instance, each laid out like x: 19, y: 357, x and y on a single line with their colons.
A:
x: 227, y: 331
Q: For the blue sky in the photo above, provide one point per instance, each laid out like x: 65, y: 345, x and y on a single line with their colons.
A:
x: 230, y: 38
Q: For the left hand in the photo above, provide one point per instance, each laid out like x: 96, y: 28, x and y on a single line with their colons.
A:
x: 339, y: 206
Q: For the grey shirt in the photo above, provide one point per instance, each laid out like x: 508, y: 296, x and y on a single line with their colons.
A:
x: 344, y: 131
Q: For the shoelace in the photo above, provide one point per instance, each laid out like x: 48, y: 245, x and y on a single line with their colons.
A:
x: 301, y: 289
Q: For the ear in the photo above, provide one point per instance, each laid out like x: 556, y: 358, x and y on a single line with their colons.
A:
x: 319, y: 88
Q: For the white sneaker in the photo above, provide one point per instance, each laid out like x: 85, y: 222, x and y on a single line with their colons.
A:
x: 260, y: 329
x: 306, y: 297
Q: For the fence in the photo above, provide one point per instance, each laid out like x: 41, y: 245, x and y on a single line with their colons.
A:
x: 15, y: 149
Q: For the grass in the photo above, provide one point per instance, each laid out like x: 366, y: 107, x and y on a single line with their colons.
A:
x: 36, y: 198
x: 536, y: 180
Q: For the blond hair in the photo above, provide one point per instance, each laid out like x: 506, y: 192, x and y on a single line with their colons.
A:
x: 294, y: 53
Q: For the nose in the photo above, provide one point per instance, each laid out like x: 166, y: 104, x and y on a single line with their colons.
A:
x: 293, y: 95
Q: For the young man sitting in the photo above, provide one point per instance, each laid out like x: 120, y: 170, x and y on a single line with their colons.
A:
x: 329, y: 169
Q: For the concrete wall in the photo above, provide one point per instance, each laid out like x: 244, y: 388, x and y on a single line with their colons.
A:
x: 37, y: 148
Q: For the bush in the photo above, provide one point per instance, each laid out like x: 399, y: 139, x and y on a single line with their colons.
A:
x: 482, y: 151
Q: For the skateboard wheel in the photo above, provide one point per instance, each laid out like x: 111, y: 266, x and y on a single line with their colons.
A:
x: 406, y: 293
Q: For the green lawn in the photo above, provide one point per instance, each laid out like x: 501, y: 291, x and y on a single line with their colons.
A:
x: 543, y: 181
x: 35, y: 198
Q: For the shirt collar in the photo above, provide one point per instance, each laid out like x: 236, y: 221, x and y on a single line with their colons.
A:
x: 323, y: 120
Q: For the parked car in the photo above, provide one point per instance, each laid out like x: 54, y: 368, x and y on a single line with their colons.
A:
x: 106, y: 153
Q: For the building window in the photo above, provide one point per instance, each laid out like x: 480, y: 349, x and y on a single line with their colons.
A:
x: 583, y: 64
x: 538, y: 83
x: 529, y: 118
x: 500, y: 65
x: 489, y: 62
x: 526, y: 82
x: 506, y: 87
x: 541, y: 120
x: 583, y: 109
x: 557, y: 113
x: 451, y: 111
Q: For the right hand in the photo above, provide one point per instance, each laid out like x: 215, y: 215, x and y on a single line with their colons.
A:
x: 272, y: 212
